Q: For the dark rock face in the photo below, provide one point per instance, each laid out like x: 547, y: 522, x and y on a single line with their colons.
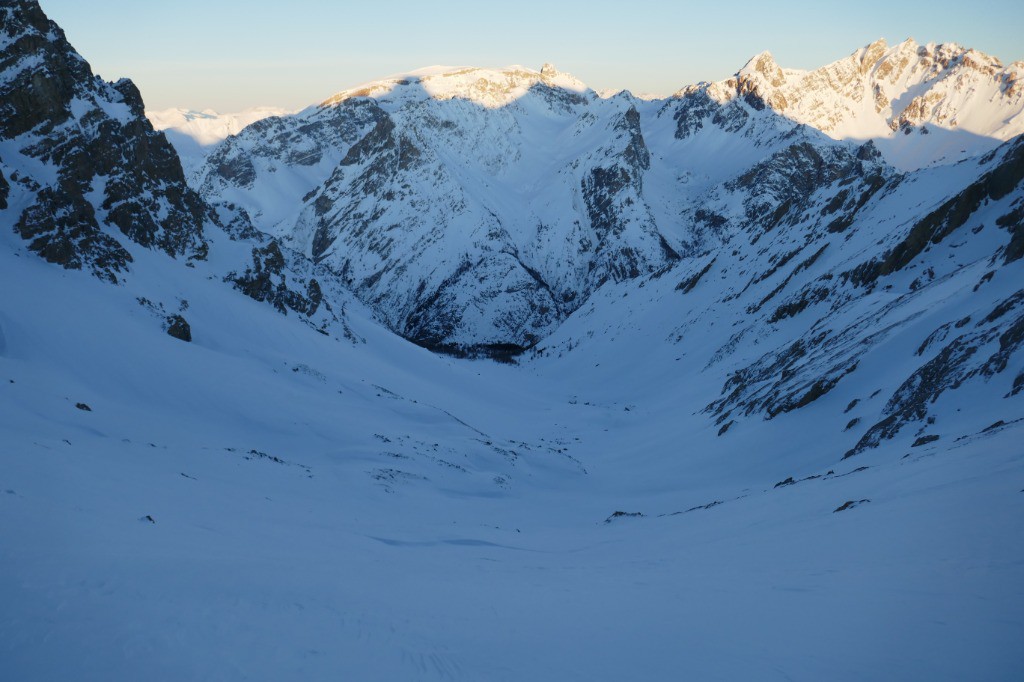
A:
x: 696, y: 108
x: 781, y: 186
x: 61, y: 227
x: 111, y: 167
x: 606, y: 189
x: 179, y: 328
x: 5, y: 190
x: 951, y: 216
x: 267, y: 281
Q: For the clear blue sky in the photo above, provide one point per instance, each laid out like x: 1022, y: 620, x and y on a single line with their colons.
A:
x: 234, y: 54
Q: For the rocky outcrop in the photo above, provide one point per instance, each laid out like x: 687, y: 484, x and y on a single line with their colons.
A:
x: 983, y: 352
x: 107, y: 167
x: 179, y: 328
x: 62, y: 228
x: 292, y: 284
x: 783, y: 186
x: 267, y: 281
x: 5, y: 190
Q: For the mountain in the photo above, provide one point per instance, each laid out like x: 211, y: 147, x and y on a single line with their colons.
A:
x: 79, y: 157
x: 476, y: 209
x: 472, y: 209
x: 193, y: 132
x: 895, y: 96
x: 769, y: 425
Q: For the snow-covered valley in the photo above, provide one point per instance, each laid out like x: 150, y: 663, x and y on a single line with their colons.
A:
x: 268, y: 503
x: 760, y: 413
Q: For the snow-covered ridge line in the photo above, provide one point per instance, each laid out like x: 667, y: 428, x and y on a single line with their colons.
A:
x: 893, y: 95
x: 487, y: 87
x: 876, y: 92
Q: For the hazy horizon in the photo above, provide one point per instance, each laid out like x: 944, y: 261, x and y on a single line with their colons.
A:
x: 236, y: 56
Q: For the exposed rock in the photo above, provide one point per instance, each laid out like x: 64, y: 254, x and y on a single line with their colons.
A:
x: 267, y: 280
x: 179, y: 328
x: 850, y: 504
x: 62, y: 228
x: 5, y: 190
x: 623, y: 515
x: 949, y: 217
x: 110, y: 167
x: 984, y: 353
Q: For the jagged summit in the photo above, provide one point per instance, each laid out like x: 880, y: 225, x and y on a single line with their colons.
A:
x: 763, y: 65
x: 894, y: 94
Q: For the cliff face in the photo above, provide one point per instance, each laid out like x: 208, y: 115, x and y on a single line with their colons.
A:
x: 88, y: 173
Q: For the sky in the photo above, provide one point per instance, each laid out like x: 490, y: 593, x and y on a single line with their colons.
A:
x: 230, y: 55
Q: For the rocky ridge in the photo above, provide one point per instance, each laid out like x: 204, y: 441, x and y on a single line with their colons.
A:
x: 894, y: 95
x: 95, y: 160
x: 85, y: 181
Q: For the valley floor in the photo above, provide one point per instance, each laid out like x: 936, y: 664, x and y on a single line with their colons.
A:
x: 267, y: 503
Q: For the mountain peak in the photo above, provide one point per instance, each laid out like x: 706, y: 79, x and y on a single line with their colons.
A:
x: 870, y: 55
x: 763, y: 65
x: 548, y: 70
